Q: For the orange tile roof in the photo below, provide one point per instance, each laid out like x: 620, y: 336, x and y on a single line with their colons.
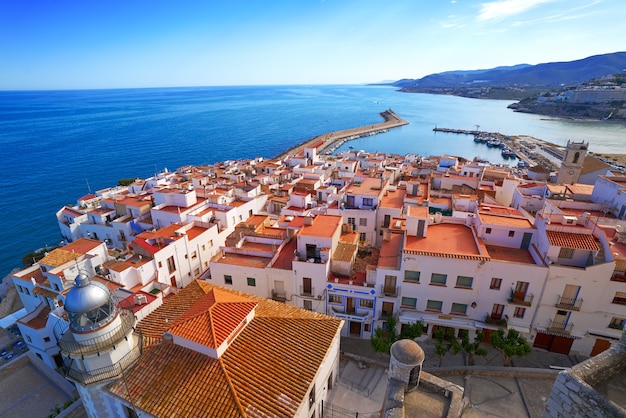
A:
x: 445, y: 240
x: 266, y: 371
x: 390, y: 252
x: 504, y: 221
x: 514, y: 255
x: 393, y: 199
x: 571, y: 240
x: 212, y: 318
x: 322, y: 226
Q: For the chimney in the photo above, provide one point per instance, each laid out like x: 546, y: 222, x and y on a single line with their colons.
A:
x: 308, y: 220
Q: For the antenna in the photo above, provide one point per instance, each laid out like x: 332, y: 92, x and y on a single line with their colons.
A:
x: 88, y: 187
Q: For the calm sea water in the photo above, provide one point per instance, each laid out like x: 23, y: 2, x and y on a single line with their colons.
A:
x: 59, y: 145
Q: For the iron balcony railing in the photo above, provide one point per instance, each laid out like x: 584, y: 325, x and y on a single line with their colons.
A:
x: 279, y: 296
x: 524, y: 300
x: 307, y: 291
x: 569, y: 303
x: 560, y: 327
x: 72, y: 372
x: 389, y: 290
x: 70, y: 347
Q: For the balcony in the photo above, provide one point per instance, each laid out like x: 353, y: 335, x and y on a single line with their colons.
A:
x: 389, y: 290
x: 307, y: 291
x: 523, y: 300
x: 71, y: 347
x: 569, y: 304
x: 618, y: 277
x: 279, y: 296
x: 75, y: 374
x: 489, y: 319
x: 560, y: 327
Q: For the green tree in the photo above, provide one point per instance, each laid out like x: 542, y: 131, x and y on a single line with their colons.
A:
x: 446, y: 342
x: 471, y: 349
x: 383, y: 339
x: 510, y: 344
x: 412, y: 331
x: 126, y: 182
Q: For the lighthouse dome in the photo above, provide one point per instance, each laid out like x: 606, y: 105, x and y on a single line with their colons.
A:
x: 88, y: 304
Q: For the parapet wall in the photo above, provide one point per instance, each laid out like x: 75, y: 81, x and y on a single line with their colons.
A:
x: 573, y: 393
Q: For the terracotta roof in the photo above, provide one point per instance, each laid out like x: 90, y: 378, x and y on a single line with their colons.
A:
x: 322, y: 226
x: 592, y: 164
x: 344, y: 251
x: 212, y: 318
x: 266, y: 371
x: 504, y: 221
x: 58, y: 257
x: 571, y: 240
x: 446, y: 240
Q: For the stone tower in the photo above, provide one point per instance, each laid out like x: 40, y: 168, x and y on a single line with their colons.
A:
x: 572, y: 163
x: 98, y: 344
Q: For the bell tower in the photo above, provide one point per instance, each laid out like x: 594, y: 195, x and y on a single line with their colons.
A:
x: 98, y: 344
x: 572, y: 163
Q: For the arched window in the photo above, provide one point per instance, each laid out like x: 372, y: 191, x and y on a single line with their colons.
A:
x: 576, y: 157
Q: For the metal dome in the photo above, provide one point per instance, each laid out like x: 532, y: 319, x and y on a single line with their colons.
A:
x: 88, y: 304
x: 86, y: 295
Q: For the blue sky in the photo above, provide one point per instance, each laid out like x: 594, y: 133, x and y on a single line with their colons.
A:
x: 58, y: 44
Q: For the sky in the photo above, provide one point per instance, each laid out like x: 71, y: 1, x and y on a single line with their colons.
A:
x: 62, y: 44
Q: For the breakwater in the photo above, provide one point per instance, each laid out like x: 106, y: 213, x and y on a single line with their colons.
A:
x: 330, y: 141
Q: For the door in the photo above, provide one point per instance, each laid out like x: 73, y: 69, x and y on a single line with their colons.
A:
x: 350, y: 201
x: 390, y: 285
x: 420, y: 228
x: 600, y: 345
x: 387, y: 309
x: 561, y: 345
x: 526, y: 240
x: 570, y: 293
x: 520, y: 291
x: 386, y: 221
x: 306, y: 286
x: 311, y: 251
x: 350, y: 305
x: 543, y: 341
x: 496, y: 311
x: 355, y: 329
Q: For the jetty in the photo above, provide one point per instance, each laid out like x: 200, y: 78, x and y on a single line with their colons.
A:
x: 330, y: 141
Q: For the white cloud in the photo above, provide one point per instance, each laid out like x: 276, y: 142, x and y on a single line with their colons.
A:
x: 502, y: 9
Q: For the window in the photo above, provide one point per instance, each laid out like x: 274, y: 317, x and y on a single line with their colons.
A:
x: 228, y: 279
x: 519, y: 312
x: 352, y: 221
x: 362, y: 221
x: 620, y: 298
x: 367, y: 327
x: 251, y: 281
x: 55, y: 286
x: 408, y: 302
x: 617, y: 323
x: 194, y: 255
x: 362, y: 236
x: 438, y: 279
x: 160, y: 264
x: 566, y: 253
x: 495, y: 283
x: 368, y: 201
x: 459, y: 309
x: 307, y: 304
x: 464, y: 281
x: 366, y: 303
x: 46, y: 339
x: 203, y: 247
x: 210, y: 243
x: 171, y: 265
x: 511, y: 233
x: 412, y: 276
x: 335, y: 299
x: 434, y: 305
x: 487, y: 230
x: 28, y: 339
x: 196, y: 272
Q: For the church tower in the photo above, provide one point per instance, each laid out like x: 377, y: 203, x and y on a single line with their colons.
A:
x: 98, y: 345
x: 572, y: 164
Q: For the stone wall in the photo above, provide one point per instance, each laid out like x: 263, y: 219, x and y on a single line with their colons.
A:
x: 573, y: 393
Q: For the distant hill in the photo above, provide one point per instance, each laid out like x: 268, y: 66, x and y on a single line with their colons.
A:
x: 548, y: 75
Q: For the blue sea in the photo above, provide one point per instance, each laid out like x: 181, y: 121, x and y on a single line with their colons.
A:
x: 60, y: 145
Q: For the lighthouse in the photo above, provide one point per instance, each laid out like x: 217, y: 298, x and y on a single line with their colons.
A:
x: 98, y: 344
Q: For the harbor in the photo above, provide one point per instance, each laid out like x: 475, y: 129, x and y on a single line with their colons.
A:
x: 329, y: 142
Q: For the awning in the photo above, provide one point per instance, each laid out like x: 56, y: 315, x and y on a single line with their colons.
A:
x: 607, y: 334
